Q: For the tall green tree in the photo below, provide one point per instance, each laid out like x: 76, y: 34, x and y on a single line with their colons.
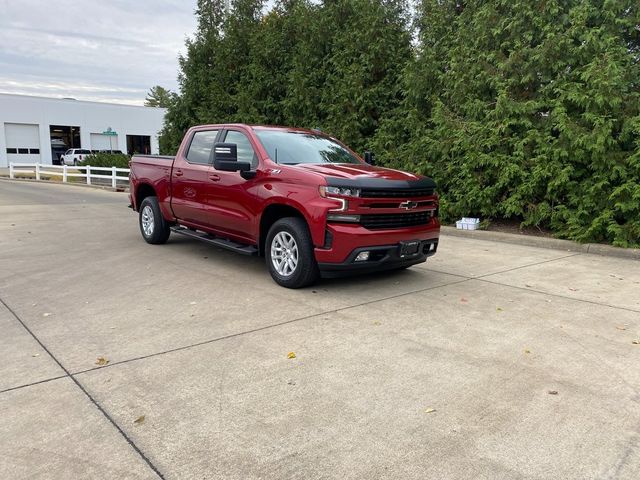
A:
x: 159, y: 97
x: 529, y: 110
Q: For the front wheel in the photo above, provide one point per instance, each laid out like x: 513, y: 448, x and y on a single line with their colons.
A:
x: 153, y: 226
x: 289, y: 253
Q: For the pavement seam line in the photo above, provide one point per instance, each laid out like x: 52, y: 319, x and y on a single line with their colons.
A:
x: 266, y: 327
x: 18, y: 387
x: 557, y: 295
x: 529, y: 289
x: 528, y: 265
x: 87, y: 394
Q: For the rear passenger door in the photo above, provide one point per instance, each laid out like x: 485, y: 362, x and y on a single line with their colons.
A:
x: 190, y: 182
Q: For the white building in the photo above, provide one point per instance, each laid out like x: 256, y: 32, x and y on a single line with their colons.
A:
x: 38, y: 129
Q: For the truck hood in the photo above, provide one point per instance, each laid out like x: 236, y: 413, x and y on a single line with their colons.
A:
x: 359, y: 172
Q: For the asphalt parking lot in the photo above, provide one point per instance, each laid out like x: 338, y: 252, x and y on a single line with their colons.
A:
x: 490, y: 361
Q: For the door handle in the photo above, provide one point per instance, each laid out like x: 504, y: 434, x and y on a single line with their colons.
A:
x: 178, y: 173
x: 214, y: 177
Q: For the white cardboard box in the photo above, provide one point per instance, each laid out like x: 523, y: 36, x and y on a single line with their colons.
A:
x: 468, y: 223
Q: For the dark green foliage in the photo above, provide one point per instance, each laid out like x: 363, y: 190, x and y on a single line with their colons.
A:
x: 159, y: 97
x: 522, y: 110
x: 119, y: 160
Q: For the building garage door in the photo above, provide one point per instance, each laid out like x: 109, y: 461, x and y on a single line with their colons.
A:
x: 23, y: 142
x: 104, y: 142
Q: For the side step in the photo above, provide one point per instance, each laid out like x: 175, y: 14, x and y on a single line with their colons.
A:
x: 218, y: 242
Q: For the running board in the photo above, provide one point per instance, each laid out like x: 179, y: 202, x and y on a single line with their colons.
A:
x: 218, y: 242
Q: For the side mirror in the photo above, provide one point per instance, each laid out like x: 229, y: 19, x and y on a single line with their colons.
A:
x: 369, y: 157
x: 225, y: 158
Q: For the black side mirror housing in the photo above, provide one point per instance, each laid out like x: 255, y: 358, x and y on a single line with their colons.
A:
x: 225, y: 158
x: 369, y: 157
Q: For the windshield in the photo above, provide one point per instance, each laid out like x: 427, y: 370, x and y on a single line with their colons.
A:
x: 290, y: 148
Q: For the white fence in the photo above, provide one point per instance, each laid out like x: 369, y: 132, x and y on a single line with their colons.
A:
x: 65, y: 172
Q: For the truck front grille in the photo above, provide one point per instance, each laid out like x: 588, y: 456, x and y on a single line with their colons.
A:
x: 395, y: 220
x: 396, y: 192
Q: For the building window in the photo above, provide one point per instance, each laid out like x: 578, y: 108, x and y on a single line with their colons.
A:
x: 23, y: 151
x: 12, y: 150
x: 34, y: 151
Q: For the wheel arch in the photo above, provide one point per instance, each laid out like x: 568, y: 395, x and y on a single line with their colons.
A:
x: 270, y: 215
x: 143, y: 190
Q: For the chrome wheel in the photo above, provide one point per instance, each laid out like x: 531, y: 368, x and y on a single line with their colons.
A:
x: 147, y: 220
x: 284, y: 254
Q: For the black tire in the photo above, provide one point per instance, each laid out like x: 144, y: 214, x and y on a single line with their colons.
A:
x: 306, y: 270
x: 160, y: 229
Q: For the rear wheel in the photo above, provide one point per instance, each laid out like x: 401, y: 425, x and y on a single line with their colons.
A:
x: 289, y: 253
x: 153, y: 226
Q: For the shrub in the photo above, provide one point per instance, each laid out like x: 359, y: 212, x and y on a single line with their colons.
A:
x: 119, y: 160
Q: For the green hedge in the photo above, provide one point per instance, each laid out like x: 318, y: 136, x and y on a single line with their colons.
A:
x: 119, y: 160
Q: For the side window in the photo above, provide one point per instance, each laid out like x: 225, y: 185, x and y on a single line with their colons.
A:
x: 201, y: 145
x: 245, y: 150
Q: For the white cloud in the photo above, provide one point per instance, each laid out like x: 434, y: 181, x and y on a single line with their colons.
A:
x: 90, y: 50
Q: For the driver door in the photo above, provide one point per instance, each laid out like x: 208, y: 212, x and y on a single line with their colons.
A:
x: 231, y: 204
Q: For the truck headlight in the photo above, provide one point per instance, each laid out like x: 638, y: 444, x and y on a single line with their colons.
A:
x: 326, y: 191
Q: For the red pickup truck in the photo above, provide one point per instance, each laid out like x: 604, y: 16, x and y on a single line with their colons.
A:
x: 298, y: 197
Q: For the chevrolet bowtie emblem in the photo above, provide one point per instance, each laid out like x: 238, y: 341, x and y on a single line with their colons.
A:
x: 409, y: 205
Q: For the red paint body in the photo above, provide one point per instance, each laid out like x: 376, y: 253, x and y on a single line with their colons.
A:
x: 226, y: 205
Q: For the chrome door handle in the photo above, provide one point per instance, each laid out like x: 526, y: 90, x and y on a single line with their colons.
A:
x: 179, y: 173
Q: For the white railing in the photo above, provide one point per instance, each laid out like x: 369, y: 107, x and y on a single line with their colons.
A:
x: 67, y: 172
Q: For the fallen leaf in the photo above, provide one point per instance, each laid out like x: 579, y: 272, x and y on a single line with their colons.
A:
x: 636, y: 342
x: 46, y: 314
x: 573, y: 289
x: 35, y: 355
x: 464, y: 300
x: 139, y: 420
x: 498, y: 309
x: 102, y: 361
x: 377, y: 323
x: 621, y: 327
x: 527, y: 351
x: 291, y: 355
x: 429, y: 410
x: 527, y: 285
x: 552, y: 392
x: 192, y: 303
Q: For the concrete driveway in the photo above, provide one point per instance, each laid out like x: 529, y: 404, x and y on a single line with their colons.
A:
x: 490, y: 361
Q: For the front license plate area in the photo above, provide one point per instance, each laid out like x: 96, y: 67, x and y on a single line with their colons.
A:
x: 410, y: 248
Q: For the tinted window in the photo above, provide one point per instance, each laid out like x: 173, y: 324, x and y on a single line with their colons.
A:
x: 34, y: 151
x: 12, y: 150
x: 68, y: 152
x: 245, y: 150
x: 201, y: 145
x: 301, y: 147
x: 85, y: 152
x: 23, y: 150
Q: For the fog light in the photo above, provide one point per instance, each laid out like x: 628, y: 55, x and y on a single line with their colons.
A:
x: 362, y: 257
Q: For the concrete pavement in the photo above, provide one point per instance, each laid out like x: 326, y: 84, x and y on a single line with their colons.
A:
x: 441, y: 371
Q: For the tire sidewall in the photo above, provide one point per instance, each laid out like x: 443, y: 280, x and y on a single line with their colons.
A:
x: 305, y: 272
x: 160, y: 228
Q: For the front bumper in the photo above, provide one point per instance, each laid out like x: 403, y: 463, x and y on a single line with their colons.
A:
x: 381, y: 257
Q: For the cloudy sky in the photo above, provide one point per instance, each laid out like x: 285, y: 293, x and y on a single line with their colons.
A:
x: 109, y: 50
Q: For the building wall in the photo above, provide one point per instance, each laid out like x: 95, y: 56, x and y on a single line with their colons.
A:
x: 91, y: 117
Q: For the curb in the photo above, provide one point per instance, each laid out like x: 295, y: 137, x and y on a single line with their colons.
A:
x: 544, y: 242
x: 71, y: 184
